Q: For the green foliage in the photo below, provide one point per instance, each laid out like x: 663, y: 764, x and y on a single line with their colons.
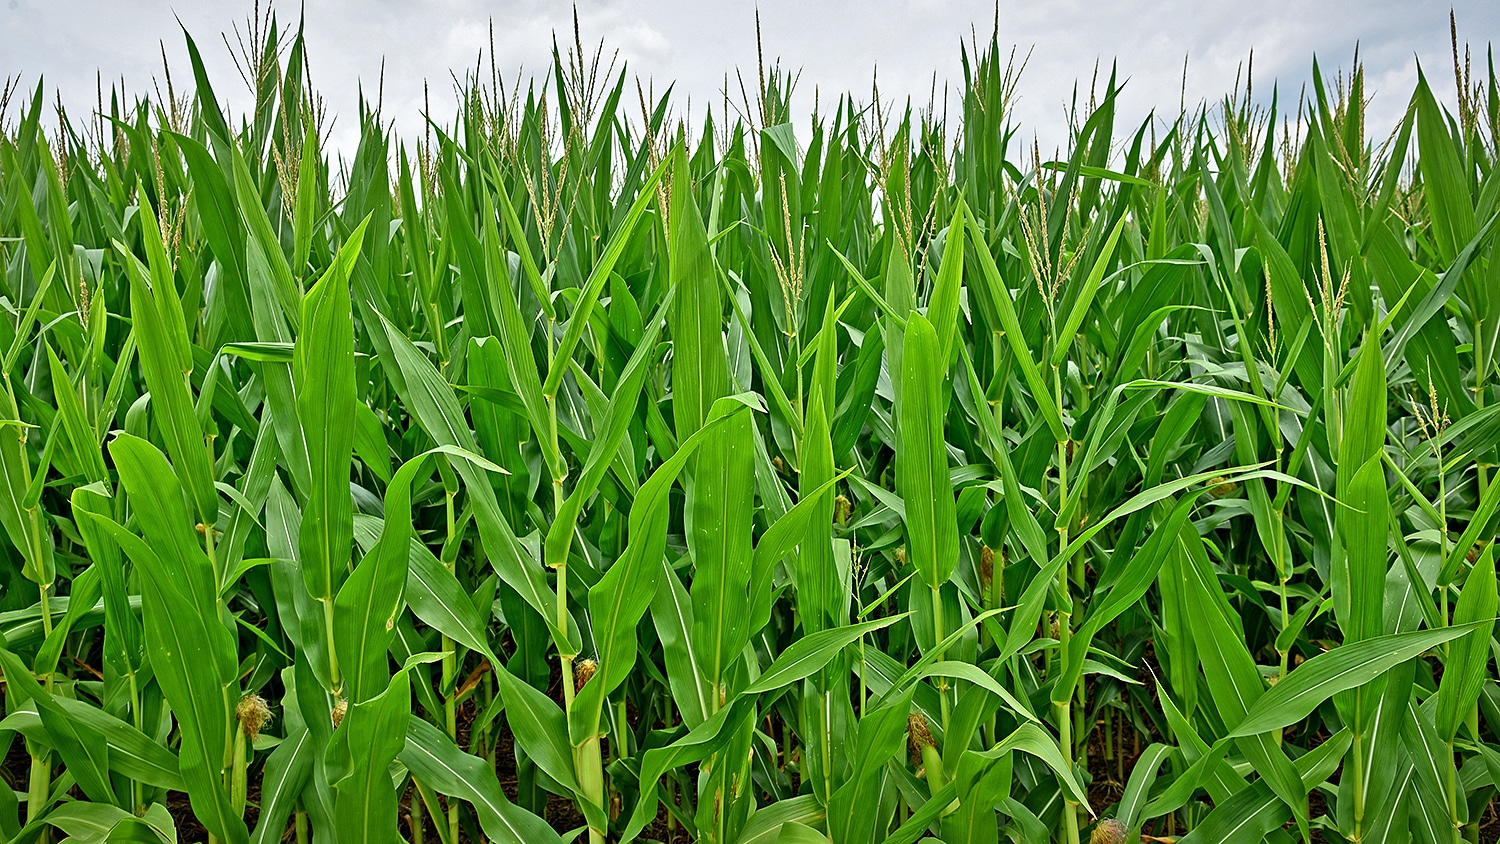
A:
x: 574, y: 460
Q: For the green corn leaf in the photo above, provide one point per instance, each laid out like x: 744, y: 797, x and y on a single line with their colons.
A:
x: 597, y: 278
x: 307, y: 199
x: 323, y: 371
x: 700, y: 366
x: 515, y: 337
x: 1443, y: 180
x: 131, y: 752
x: 1142, y: 775
x: 208, y: 103
x: 809, y: 654
x: 183, y: 655
x: 89, y: 822
x: 84, y: 444
x: 765, y: 825
x: 880, y: 737
x: 158, y: 500
x: 122, y: 628
x: 541, y: 728
x: 1340, y: 669
x: 1028, y: 738
x: 432, y: 591
x: 1139, y: 573
x: 793, y: 832
x: 1253, y: 812
x: 434, y: 759
x: 366, y: 607
x: 1230, y: 670
x: 974, y: 674
x: 780, y: 540
x: 262, y: 240
x: 722, y: 501
x: 614, y: 426
x: 372, y: 733
x: 672, y: 617
x: 22, y: 524
x: 1016, y: 340
x: 931, y: 523
x: 620, y: 598
x: 437, y: 408
x: 1481, y: 521
x: 1085, y: 298
x: 284, y: 776
x: 1466, y: 670
x: 162, y: 367
x: 1358, y: 581
x: 82, y: 749
x: 219, y: 214
x: 943, y: 308
x: 701, y: 742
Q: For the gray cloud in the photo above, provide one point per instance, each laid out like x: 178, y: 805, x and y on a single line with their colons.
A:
x: 837, y: 45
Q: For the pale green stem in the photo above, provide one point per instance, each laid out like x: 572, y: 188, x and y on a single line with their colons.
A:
x: 588, y: 763
x: 1065, y: 741
x: 39, y: 787
x: 450, y: 714
x: 621, y: 744
x: 1452, y: 789
x: 46, y: 607
x: 1358, y: 759
x: 238, y: 780
x: 1480, y: 366
x: 231, y: 727
x: 333, y: 658
x: 939, y: 631
x: 932, y: 767
x: 864, y: 691
x: 450, y: 669
x: 1282, y: 577
x: 1442, y: 543
x: 1064, y: 625
x: 825, y: 711
x: 135, y: 715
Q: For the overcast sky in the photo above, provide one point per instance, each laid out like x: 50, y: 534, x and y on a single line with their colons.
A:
x: 836, y: 45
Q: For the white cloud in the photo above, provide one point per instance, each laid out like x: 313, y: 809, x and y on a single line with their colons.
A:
x: 837, y: 45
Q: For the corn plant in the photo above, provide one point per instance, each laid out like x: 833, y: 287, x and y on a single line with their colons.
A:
x: 577, y: 470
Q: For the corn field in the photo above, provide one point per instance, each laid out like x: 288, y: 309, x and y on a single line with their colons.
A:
x: 579, y: 470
